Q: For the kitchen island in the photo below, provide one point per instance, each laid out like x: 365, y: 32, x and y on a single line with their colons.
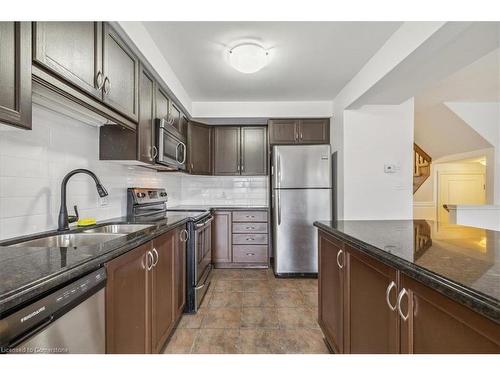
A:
x: 409, y: 286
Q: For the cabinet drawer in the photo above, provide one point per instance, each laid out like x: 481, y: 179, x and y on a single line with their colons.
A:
x: 250, y: 228
x: 250, y: 239
x: 250, y: 253
x: 250, y: 216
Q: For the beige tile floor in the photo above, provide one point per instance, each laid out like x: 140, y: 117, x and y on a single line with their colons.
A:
x: 250, y: 311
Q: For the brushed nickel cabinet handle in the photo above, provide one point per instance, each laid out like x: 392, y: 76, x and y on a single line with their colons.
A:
x: 250, y: 239
x: 184, y: 235
x: 387, y: 295
x: 250, y: 228
x: 251, y: 254
x: 400, y: 298
x: 155, y: 153
x: 99, y: 80
x: 157, y: 257
x: 341, y: 252
x: 106, y: 85
x: 149, y: 256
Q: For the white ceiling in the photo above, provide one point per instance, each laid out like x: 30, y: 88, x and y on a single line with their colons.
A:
x: 309, y: 61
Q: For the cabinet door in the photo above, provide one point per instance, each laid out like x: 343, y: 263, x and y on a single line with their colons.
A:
x: 180, y: 273
x: 145, y: 129
x: 314, y: 131
x: 175, y: 115
x: 15, y: 73
x: 162, y: 287
x: 127, y: 312
x: 283, y: 131
x: 121, y: 71
x: 227, y: 150
x: 72, y: 50
x: 221, y: 237
x: 183, y: 126
x: 199, y: 144
x: 331, y: 292
x: 436, y: 324
x: 162, y: 103
x: 370, y: 324
x: 254, y: 150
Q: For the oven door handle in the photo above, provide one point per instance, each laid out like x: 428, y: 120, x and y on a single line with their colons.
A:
x: 206, y: 222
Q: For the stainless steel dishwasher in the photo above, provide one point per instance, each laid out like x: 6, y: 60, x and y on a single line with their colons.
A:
x: 70, y: 320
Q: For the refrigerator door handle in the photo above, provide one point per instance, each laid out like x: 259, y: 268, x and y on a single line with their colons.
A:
x: 278, y: 195
x: 278, y: 172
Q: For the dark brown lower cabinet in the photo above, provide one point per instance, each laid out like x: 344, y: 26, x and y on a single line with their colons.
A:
x: 179, y: 274
x: 359, y: 310
x: 128, y: 303
x: 162, y: 289
x: 370, y: 293
x: 331, y: 292
x: 221, y: 238
x: 145, y: 295
x: 436, y: 324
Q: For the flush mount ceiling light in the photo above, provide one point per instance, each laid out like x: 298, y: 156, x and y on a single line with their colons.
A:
x: 248, y: 57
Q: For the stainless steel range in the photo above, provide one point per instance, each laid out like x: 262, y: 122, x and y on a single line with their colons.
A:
x: 149, y: 205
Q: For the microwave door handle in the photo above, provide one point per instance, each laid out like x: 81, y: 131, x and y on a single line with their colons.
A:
x: 177, y: 152
x: 184, y: 152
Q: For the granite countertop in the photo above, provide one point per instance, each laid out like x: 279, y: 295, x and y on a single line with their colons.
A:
x: 458, y: 261
x: 27, y: 272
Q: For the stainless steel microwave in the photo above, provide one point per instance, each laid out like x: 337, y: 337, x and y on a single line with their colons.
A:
x: 171, y: 148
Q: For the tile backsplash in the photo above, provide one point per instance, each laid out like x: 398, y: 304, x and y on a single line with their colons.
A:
x: 33, y: 163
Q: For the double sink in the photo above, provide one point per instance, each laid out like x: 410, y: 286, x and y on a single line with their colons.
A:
x: 89, y: 237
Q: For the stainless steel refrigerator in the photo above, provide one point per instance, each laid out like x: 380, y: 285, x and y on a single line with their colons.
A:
x: 301, y: 194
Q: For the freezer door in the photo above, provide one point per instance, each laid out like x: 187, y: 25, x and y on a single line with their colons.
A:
x: 294, y: 237
x: 296, y: 167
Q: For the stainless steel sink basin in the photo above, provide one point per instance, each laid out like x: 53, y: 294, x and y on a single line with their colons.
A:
x: 70, y: 240
x: 118, y: 228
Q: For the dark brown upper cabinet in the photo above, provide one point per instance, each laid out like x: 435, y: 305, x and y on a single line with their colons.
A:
x: 72, y: 50
x: 199, y: 149
x: 227, y: 158
x: 240, y: 150
x: 283, y: 131
x: 88, y: 63
x: 254, y: 150
x: 121, y: 71
x: 162, y: 103
x: 15, y: 73
x: 146, y: 149
x: 299, y: 131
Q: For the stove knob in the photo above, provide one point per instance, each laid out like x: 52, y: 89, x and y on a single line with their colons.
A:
x: 163, y: 194
x: 141, y: 195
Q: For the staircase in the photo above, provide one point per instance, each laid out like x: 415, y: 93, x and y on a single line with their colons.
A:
x: 421, y: 167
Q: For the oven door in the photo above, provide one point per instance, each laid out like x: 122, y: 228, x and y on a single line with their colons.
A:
x: 203, y: 250
x: 171, y: 150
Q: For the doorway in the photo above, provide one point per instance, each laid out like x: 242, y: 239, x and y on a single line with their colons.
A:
x: 459, y: 188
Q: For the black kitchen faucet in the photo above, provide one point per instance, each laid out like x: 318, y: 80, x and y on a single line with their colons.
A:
x: 64, y: 219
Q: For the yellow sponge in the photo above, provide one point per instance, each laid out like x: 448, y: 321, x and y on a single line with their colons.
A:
x: 86, y: 222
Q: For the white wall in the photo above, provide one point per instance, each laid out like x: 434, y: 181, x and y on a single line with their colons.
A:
x: 262, y: 109
x: 374, y: 136
x: 33, y: 163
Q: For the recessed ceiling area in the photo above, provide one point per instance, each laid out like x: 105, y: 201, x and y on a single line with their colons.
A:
x: 308, y: 61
